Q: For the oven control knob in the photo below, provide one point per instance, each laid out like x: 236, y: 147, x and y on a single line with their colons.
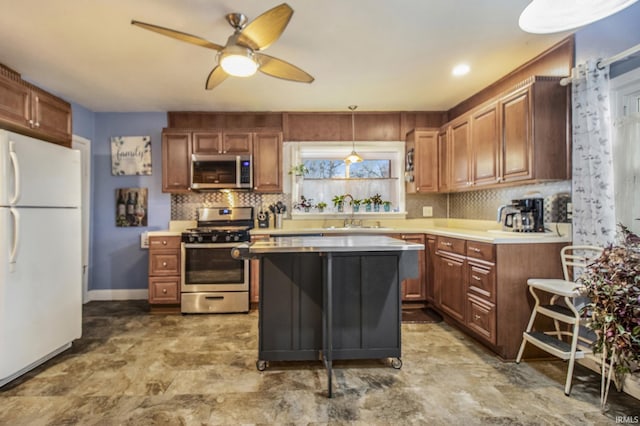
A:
x: 236, y: 238
x: 199, y: 238
x: 214, y: 238
x: 191, y: 238
x: 227, y: 238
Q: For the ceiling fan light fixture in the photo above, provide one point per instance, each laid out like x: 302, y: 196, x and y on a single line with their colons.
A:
x: 552, y: 16
x: 238, y: 61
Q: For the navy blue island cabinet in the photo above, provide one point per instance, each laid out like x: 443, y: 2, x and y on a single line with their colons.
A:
x: 332, y: 298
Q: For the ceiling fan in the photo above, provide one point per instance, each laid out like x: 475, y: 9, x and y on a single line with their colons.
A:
x: 241, y: 56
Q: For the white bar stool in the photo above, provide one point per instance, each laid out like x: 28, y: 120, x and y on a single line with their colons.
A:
x: 561, y: 309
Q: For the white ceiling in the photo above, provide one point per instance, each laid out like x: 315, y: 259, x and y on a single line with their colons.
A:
x: 377, y: 54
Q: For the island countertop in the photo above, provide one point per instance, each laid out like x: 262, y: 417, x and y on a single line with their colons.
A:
x: 341, y: 243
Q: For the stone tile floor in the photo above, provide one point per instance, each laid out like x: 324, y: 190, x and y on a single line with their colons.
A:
x: 132, y: 368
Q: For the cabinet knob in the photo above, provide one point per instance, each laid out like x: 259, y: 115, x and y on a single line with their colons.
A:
x: 445, y: 243
x: 476, y: 316
x: 164, y: 263
x: 164, y: 290
x: 37, y: 124
x: 474, y: 249
x: 164, y: 242
x: 31, y: 123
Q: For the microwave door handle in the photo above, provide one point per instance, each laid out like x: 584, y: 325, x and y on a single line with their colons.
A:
x: 13, y: 254
x: 238, y: 171
x: 16, y: 173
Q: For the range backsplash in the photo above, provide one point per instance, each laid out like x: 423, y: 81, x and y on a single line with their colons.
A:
x: 479, y: 205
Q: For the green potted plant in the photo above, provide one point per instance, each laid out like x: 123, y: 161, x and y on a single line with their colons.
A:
x: 321, y: 205
x: 376, y: 200
x: 612, y: 283
x: 367, y: 204
x: 298, y: 170
x: 387, y: 206
x: 355, y: 204
x: 304, y: 203
x: 338, y: 202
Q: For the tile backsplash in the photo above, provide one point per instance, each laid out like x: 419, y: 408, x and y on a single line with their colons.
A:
x: 480, y: 205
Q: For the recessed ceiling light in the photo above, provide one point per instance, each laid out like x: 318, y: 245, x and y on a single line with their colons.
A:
x: 460, y: 69
x: 551, y: 16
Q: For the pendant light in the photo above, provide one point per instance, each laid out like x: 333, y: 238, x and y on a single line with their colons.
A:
x: 552, y: 16
x: 353, y: 157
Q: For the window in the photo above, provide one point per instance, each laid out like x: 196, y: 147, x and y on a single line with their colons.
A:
x: 327, y: 175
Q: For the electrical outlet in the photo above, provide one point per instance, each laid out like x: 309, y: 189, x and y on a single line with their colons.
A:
x: 427, y: 211
x: 144, y: 240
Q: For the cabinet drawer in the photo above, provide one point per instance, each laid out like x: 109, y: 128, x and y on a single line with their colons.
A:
x: 452, y: 245
x: 166, y: 242
x: 164, y: 262
x: 482, y: 281
x: 164, y: 290
x: 481, y: 318
x: 482, y: 251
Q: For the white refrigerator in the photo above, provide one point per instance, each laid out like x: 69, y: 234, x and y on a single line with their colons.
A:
x: 40, y: 252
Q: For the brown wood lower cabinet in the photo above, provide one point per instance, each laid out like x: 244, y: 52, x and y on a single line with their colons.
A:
x: 164, y: 272
x: 482, y: 287
x: 254, y: 277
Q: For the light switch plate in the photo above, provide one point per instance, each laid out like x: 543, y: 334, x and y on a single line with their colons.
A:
x: 144, y: 240
x: 427, y: 211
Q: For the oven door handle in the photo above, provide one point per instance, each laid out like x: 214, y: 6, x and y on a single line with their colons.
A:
x: 211, y: 245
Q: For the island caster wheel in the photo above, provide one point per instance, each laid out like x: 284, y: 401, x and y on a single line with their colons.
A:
x: 396, y: 363
x: 261, y: 365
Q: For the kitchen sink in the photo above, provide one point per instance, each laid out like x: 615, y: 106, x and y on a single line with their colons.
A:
x: 522, y: 234
x: 355, y: 228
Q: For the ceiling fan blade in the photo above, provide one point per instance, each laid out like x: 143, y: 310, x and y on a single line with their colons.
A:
x: 278, y: 68
x: 266, y: 28
x: 216, y: 76
x: 178, y: 35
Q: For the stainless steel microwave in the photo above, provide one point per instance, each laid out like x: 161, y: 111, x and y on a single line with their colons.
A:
x: 221, y: 172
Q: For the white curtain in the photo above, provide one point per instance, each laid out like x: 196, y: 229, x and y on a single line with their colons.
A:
x: 594, y: 219
x: 626, y: 149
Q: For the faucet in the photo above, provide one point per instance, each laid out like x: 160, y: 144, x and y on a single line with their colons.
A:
x: 349, y: 222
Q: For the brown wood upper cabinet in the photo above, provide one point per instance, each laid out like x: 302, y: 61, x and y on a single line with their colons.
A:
x: 27, y: 109
x: 176, y: 161
x: 521, y: 135
x: 422, y: 145
x: 267, y: 161
x: 443, y: 160
x: 222, y: 142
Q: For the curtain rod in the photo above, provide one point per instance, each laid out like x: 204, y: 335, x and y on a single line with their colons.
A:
x: 604, y: 62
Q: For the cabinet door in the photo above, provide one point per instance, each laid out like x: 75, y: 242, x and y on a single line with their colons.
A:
x: 51, y: 116
x: 443, y: 160
x: 15, y: 103
x: 254, y: 276
x: 460, y: 176
x: 516, y: 136
x: 426, y: 161
x: 176, y: 162
x: 207, y: 142
x: 485, y: 146
x: 267, y: 162
x: 237, y: 142
x: 164, y: 290
x: 450, y: 276
x: 413, y: 289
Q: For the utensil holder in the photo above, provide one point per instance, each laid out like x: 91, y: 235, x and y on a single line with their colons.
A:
x: 278, y: 220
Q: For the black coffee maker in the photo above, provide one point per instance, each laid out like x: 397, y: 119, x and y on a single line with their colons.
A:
x: 531, y: 214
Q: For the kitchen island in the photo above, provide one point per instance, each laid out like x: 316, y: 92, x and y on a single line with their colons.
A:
x: 331, y: 298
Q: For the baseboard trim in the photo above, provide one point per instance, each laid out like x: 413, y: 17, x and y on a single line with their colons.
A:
x: 138, y: 294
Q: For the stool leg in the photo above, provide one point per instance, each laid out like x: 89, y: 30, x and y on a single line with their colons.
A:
x: 574, y: 346
x: 530, y: 325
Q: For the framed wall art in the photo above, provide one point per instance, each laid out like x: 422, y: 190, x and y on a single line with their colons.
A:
x: 130, y: 155
x: 131, y: 207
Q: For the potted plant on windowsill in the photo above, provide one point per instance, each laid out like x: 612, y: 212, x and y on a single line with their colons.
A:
x: 386, y: 205
x: 612, y: 283
x: 376, y: 200
x: 355, y: 205
x: 338, y: 202
x: 304, y: 204
x: 299, y: 170
x: 367, y: 204
x: 321, y: 206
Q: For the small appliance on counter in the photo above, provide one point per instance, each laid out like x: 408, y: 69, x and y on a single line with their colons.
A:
x: 523, y: 215
x: 263, y: 219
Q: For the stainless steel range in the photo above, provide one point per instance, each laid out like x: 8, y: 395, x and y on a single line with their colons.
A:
x: 212, y: 280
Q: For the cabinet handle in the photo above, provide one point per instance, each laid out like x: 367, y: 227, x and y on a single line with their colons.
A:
x: 164, y: 242
x: 498, y: 179
x: 445, y: 243
x: 164, y: 263
x: 164, y: 290
x: 474, y: 249
x: 476, y: 316
x: 449, y: 263
x: 475, y: 277
x: 30, y: 123
x: 37, y: 124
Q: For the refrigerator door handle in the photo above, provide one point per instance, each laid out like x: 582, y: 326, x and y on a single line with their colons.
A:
x: 16, y: 173
x: 16, y: 238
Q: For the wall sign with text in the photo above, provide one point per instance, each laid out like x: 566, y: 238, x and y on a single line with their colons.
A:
x: 130, y: 155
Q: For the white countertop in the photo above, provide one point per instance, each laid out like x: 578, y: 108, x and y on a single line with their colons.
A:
x: 334, y: 243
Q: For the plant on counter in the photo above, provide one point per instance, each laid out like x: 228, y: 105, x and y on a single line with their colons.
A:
x: 376, y: 200
x: 355, y: 204
x: 304, y: 204
x: 321, y: 205
x: 299, y: 170
x: 612, y: 283
x: 338, y: 202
